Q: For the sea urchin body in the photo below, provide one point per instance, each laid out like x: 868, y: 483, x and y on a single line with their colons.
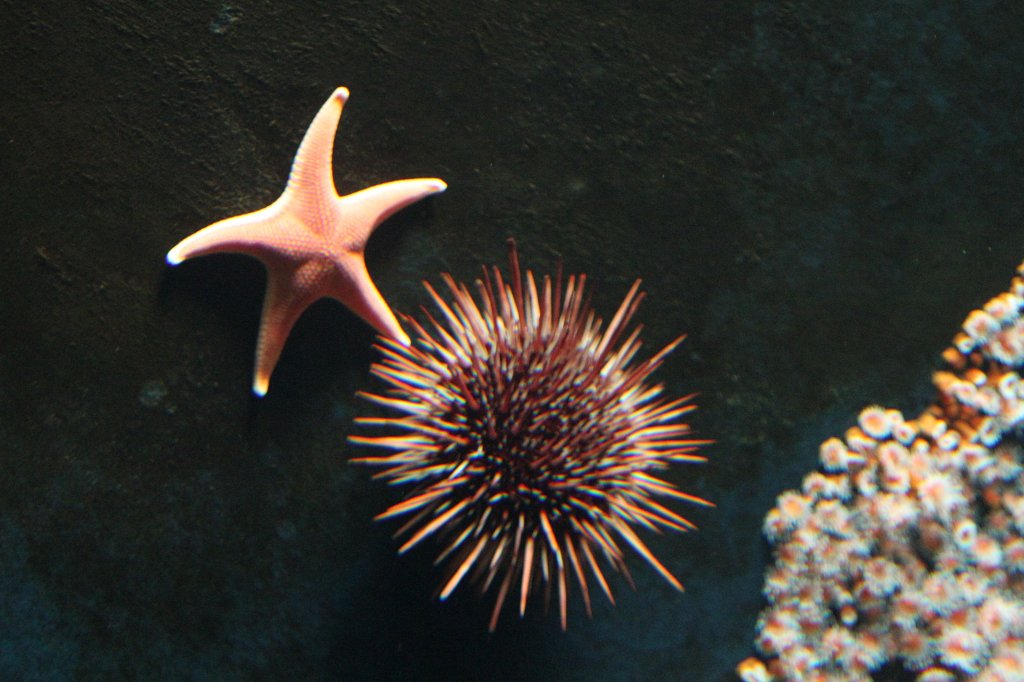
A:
x: 528, y: 437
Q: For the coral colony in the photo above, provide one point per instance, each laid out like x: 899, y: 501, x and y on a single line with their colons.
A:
x: 529, y: 438
x: 907, y: 548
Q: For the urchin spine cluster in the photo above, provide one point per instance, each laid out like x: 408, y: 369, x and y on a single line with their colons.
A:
x: 528, y: 437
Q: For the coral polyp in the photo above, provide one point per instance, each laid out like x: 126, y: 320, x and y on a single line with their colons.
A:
x: 528, y: 438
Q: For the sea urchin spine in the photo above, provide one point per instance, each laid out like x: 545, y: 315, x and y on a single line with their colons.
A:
x: 528, y: 438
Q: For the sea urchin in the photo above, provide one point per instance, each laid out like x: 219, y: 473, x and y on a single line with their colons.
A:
x: 527, y: 437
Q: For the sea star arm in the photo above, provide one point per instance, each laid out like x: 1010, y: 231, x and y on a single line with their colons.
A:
x: 311, y: 181
x: 361, y: 296
x: 251, y: 234
x: 283, y: 304
x: 366, y: 209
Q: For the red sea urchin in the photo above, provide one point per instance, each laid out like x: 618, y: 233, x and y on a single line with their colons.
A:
x: 528, y: 438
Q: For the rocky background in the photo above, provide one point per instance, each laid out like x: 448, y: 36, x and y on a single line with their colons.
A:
x: 817, y: 193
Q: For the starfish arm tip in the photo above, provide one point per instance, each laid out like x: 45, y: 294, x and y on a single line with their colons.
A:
x: 174, y: 256
x: 341, y: 94
x: 259, y: 386
x: 439, y: 184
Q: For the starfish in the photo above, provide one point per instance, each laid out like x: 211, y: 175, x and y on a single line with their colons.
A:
x: 311, y: 241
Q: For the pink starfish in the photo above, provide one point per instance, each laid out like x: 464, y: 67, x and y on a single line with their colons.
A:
x: 311, y: 241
